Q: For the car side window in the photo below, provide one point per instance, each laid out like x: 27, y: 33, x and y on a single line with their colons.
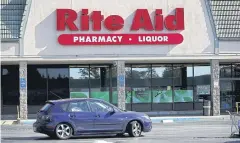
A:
x: 78, y: 106
x: 99, y: 107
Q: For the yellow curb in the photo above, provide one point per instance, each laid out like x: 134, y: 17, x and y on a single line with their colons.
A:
x: 8, y: 123
x: 2, y: 122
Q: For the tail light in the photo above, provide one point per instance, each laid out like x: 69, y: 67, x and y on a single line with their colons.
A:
x: 46, y: 118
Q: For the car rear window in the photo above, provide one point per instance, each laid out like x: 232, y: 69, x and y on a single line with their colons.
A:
x: 46, y: 107
x: 64, y: 106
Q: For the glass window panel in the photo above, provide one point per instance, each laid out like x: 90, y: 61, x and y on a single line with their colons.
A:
x: 79, y: 82
x: 225, y: 71
x: 80, y: 106
x: 141, y: 75
x: 114, y: 76
x: 37, y: 85
x: 99, y: 82
x: 141, y: 95
x: 236, y: 70
x: 162, y: 95
x: 58, y: 83
x: 183, y: 94
x: 182, y: 75
x: 99, y: 107
x: 128, y: 75
x: 226, y: 95
x: 202, y: 75
x: 10, y: 85
x: 162, y: 75
x: 202, y: 81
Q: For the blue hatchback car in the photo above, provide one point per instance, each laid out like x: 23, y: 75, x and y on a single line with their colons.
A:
x: 72, y: 117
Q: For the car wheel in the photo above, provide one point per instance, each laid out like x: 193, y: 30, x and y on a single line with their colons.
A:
x: 63, y: 131
x: 134, y: 129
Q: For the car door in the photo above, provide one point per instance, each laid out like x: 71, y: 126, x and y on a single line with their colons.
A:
x: 81, y: 115
x: 105, y: 120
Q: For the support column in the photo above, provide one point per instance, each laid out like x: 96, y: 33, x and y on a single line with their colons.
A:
x: 215, y: 87
x: 121, y: 84
x: 23, y: 90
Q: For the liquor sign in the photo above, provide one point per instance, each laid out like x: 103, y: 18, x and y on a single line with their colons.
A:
x: 66, y: 19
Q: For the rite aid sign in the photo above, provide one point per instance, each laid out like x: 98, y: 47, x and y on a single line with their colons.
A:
x: 66, y: 18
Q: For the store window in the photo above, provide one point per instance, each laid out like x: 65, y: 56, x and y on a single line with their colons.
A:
x: 183, y: 81
x: 225, y: 71
x: 202, y: 82
x: 236, y: 70
x: 37, y: 85
x: 162, y: 83
x: 141, y: 87
x: 10, y: 85
x: 99, y: 82
x: 58, y: 83
x: 79, y: 81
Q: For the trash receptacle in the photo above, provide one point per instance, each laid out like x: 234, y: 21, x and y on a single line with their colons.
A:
x: 206, y: 107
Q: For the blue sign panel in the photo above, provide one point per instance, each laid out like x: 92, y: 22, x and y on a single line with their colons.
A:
x: 22, y: 83
x: 121, y: 80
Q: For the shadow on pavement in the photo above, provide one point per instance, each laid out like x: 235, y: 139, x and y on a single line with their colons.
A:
x: 78, y: 137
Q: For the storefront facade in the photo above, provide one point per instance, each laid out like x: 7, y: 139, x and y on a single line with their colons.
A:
x: 160, y: 57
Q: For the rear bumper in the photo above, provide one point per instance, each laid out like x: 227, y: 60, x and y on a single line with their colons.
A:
x: 44, y: 128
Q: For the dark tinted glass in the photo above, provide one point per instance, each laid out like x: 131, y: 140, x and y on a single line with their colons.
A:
x: 79, y: 82
x: 202, y: 75
x: 10, y: 85
x: 141, y: 75
x: 99, y: 82
x: 225, y: 71
x: 182, y: 75
x: 58, y: 83
x: 37, y: 85
x: 236, y: 70
x: 162, y: 75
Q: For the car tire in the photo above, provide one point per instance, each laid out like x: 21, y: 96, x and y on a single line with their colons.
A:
x: 134, y: 129
x: 63, y: 131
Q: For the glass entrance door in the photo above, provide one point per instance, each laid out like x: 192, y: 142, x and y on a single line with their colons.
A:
x: 226, y: 96
x: 236, y: 92
x: 229, y: 95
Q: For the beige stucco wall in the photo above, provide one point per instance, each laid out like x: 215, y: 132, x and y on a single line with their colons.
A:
x: 9, y: 48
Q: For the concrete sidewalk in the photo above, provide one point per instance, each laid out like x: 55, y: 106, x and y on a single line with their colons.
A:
x: 169, y: 119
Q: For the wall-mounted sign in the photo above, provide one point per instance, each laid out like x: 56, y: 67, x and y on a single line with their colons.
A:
x: 22, y: 83
x: 66, y: 18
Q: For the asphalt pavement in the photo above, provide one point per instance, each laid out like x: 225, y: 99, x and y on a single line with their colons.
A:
x: 187, y: 132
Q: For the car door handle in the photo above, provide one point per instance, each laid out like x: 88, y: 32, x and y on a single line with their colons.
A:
x: 72, y: 116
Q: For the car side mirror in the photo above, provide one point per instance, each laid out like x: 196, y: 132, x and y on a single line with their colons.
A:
x: 112, y: 110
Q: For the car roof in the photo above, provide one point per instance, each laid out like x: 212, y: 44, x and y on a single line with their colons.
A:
x: 72, y: 99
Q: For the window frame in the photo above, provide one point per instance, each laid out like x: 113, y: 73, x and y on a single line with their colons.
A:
x: 92, y: 101
x: 89, y: 109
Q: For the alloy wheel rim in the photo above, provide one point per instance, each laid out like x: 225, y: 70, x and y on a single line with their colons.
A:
x: 63, y: 131
x: 136, y: 129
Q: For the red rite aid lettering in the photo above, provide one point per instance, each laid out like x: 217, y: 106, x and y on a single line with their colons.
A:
x: 141, y: 20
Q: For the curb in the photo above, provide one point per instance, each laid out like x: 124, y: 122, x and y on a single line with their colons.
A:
x: 154, y: 120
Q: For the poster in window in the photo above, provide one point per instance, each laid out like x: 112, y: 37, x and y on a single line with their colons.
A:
x: 162, y: 96
x: 183, y: 95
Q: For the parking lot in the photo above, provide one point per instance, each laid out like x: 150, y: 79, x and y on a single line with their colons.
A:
x: 188, y: 132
